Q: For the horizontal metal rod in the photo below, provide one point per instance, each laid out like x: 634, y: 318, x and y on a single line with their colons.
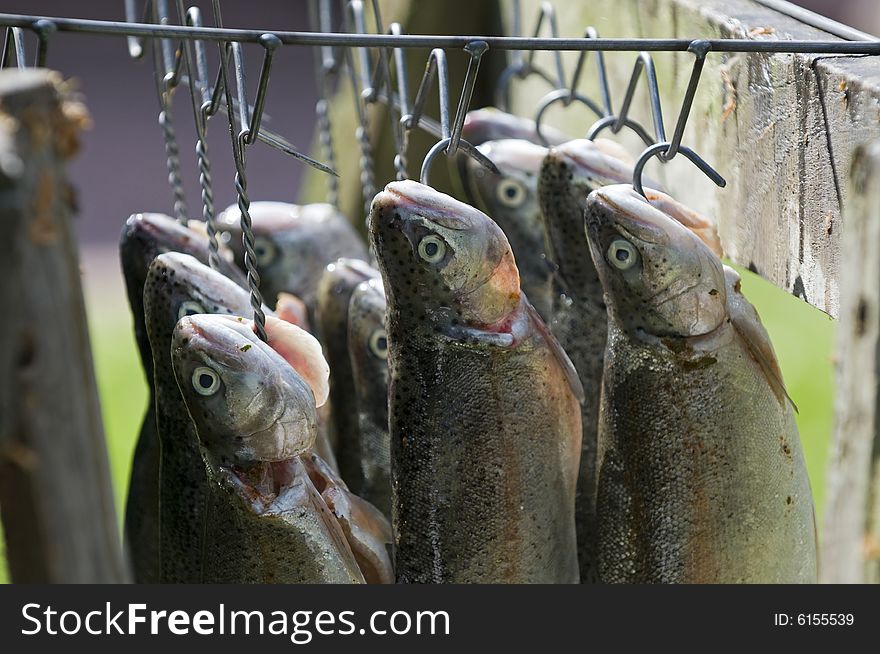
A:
x: 818, y: 21
x: 117, y: 28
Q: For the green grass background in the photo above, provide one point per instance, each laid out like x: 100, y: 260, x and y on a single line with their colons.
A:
x: 802, y: 336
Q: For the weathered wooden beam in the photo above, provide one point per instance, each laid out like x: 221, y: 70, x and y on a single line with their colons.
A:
x: 780, y: 128
x: 55, y: 492
x: 851, y: 540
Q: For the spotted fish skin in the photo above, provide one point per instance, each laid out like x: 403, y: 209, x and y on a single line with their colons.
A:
x: 702, y: 477
x: 568, y: 174
x: 176, y: 285
x: 511, y: 200
x: 293, y: 244
x: 484, y: 418
x: 334, y: 294
x: 255, y: 416
x: 368, y: 351
x: 144, y: 237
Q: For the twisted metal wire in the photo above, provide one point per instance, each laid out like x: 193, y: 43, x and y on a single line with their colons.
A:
x: 207, y: 186
x: 250, y: 256
x: 325, y: 138
x: 368, y: 177
x: 172, y: 153
x: 400, y: 165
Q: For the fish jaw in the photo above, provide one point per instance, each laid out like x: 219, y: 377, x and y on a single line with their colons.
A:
x: 671, y: 283
x: 261, y: 409
x: 473, y: 279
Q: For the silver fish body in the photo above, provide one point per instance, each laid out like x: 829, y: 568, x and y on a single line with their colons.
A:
x: 178, y: 285
x: 368, y: 350
x: 568, y: 174
x: 144, y: 237
x: 334, y: 294
x: 266, y: 520
x: 702, y: 477
x: 511, y: 200
x: 484, y: 417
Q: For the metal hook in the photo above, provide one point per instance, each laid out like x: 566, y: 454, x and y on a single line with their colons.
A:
x: 548, y: 14
x: 521, y: 67
x: 658, y: 149
x: 14, y: 45
x: 354, y: 20
x: 700, y: 50
x: 464, y: 146
x: 601, y: 71
x: 569, y: 95
x: 400, y: 103
x: 451, y: 140
x: 611, y: 121
x: 476, y: 50
x: 565, y: 96
x: 197, y: 80
x: 326, y: 67
x: 622, y: 119
x: 239, y: 144
x: 166, y: 74
x: 43, y: 28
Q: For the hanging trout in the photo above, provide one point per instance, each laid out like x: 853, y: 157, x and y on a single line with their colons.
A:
x: 511, y: 200
x: 144, y: 237
x: 568, y: 175
x: 484, y: 418
x: 293, y: 244
x: 334, y: 293
x: 368, y: 350
x: 702, y: 477
x: 268, y: 518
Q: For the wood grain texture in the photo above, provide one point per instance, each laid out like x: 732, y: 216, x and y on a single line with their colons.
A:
x: 55, y: 492
x: 780, y: 128
x: 851, y: 542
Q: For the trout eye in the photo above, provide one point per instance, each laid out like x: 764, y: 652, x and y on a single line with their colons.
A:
x: 432, y: 249
x: 189, y: 308
x: 265, y: 250
x: 379, y: 343
x: 205, y: 381
x: 622, y: 254
x: 511, y: 193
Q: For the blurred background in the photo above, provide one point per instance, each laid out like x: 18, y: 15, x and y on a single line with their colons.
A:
x: 121, y: 170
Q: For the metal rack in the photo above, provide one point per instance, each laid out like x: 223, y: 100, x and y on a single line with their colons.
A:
x: 381, y: 76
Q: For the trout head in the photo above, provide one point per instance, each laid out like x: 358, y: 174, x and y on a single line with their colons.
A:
x: 442, y: 261
x: 144, y: 237
x: 247, y: 403
x: 569, y: 173
x: 511, y: 198
x: 367, y: 339
x: 334, y: 293
x: 178, y: 285
x: 659, y: 277
x: 291, y: 244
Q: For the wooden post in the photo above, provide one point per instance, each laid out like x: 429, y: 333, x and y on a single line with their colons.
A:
x: 851, y: 542
x: 55, y: 491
